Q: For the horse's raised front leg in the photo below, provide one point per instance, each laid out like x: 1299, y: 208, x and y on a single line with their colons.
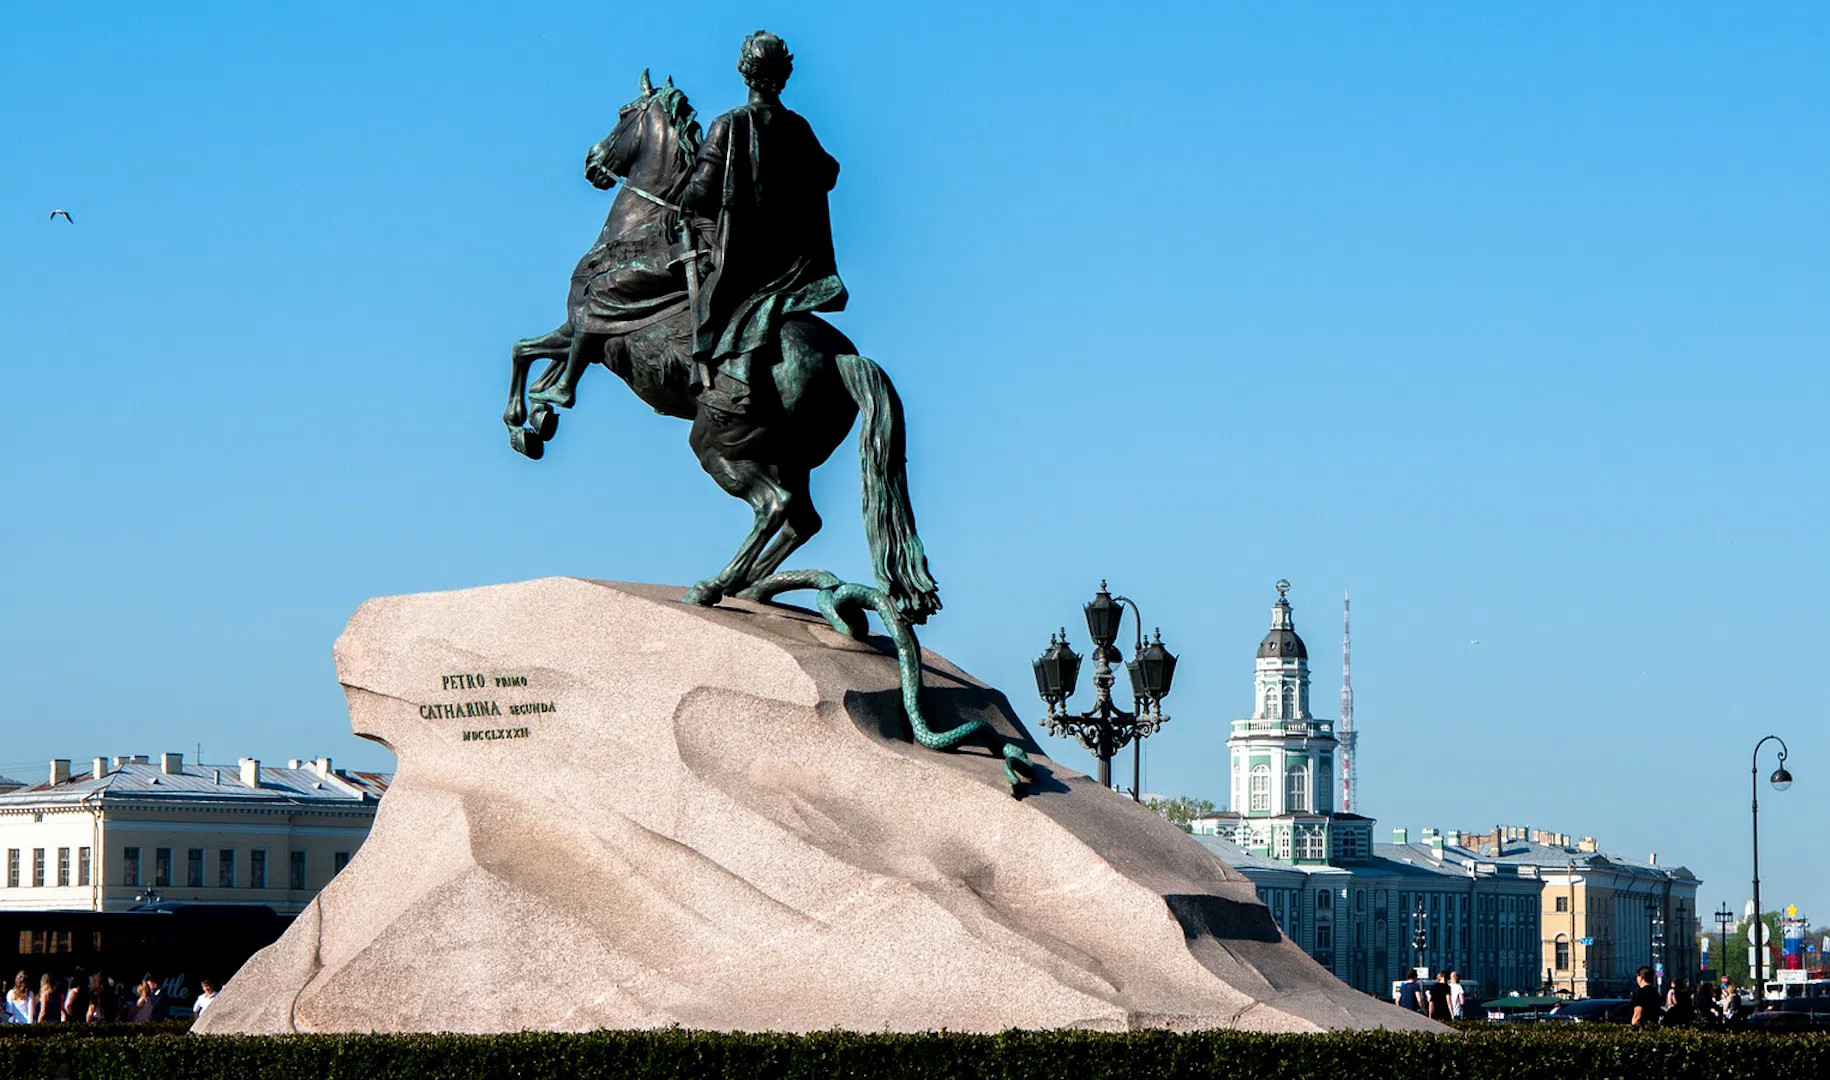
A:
x: 583, y: 351
x: 551, y: 346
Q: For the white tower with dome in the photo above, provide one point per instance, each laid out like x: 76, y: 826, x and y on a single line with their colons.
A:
x: 1283, y: 762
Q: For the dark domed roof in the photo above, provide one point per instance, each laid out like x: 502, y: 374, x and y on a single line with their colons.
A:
x: 1283, y: 643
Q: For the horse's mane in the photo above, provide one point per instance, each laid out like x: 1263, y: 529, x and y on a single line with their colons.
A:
x: 679, y: 112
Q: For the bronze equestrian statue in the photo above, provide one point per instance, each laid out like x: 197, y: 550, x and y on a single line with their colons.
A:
x: 702, y: 293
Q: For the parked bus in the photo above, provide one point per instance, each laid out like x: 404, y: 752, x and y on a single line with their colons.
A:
x: 178, y: 944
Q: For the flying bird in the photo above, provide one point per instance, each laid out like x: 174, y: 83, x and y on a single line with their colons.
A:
x: 65, y: 214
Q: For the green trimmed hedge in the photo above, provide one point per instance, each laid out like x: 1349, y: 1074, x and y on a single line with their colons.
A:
x: 1517, y: 1054
x: 92, y: 1031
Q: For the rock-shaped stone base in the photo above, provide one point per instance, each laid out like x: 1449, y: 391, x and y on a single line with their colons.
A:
x: 615, y: 810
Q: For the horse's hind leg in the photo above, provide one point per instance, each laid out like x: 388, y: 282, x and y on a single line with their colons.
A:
x: 800, y: 524
x: 550, y: 346
x: 753, y: 484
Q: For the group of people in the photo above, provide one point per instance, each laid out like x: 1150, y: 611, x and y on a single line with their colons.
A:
x: 1443, y: 999
x: 92, y: 998
x: 1708, y: 1005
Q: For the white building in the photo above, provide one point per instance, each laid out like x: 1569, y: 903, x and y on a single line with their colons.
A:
x: 1366, y: 911
x: 128, y: 830
x: 1282, y: 759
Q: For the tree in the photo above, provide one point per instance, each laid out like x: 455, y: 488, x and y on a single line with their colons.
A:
x: 1734, y: 959
x: 1180, y: 811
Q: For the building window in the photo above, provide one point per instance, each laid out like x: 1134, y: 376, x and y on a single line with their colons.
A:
x: 1261, y: 788
x: 1324, y: 937
x: 1283, y: 843
x: 12, y: 868
x: 1270, y: 702
x: 162, y: 867
x: 193, y: 868
x: 342, y: 860
x: 1562, y: 952
x: 257, y: 869
x: 1289, y: 710
x: 1296, y: 791
x: 38, y: 868
x: 225, y: 868
x: 295, y: 875
x: 1562, y: 903
x: 63, y: 866
x: 130, y: 866
x: 82, y: 866
x: 1323, y: 899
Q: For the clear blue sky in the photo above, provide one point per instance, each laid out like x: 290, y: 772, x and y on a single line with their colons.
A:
x: 1510, y: 319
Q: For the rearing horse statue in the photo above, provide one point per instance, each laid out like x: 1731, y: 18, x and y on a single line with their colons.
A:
x: 802, y: 404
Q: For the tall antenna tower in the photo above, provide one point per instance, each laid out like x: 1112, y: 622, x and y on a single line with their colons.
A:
x: 1348, y: 736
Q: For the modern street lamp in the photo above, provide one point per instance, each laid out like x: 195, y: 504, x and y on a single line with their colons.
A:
x: 147, y: 896
x: 1655, y: 934
x: 1420, y: 935
x: 1781, y: 780
x: 1106, y: 729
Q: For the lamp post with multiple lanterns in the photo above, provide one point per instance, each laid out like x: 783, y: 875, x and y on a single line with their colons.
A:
x: 1106, y: 729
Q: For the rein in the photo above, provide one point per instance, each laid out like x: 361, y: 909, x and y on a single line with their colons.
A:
x: 651, y: 197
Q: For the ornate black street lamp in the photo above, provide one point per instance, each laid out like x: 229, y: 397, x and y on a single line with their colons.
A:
x: 1106, y: 729
x: 1724, y: 918
x: 1781, y: 781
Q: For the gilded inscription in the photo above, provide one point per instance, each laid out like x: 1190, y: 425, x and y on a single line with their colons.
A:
x: 481, y: 708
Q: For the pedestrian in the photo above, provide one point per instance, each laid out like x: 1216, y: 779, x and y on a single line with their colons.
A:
x: 76, y: 999
x: 1680, y: 1008
x: 1458, y: 997
x: 1734, y: 1012
x: 1646, y: 1005
x: 203, y: 999
x: 50, y: 1000
x: 102, y: 1006
x: 1705, y: 1007
x: 1409, y: 995
x: 19, y: 1001
x: 1439, y: 997
x: 145, y: 1004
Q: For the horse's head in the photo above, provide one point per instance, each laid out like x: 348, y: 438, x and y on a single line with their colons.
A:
x: 654, y: 143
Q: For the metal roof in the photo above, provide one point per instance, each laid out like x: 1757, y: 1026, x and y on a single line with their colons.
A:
x: 140, y: 781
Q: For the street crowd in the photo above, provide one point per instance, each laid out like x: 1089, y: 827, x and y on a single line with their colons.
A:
x: 1707, y: 1006
x: 92, y: 997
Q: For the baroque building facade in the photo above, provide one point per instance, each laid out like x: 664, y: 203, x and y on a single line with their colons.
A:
x: 1516, y: 909
x: 1368, y: 912
x: 129, y: 831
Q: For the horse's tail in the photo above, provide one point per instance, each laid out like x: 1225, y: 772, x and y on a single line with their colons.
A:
x: 889, y: 520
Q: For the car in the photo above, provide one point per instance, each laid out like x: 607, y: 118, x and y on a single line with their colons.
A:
x: 1593, y: 1011
x: 1788, y: 1020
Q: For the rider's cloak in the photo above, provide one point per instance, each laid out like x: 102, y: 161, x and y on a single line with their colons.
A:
x: 764, y: 177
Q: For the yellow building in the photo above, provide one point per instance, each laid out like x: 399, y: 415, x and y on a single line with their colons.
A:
x: 1603, y: 916
x: 129, y: 831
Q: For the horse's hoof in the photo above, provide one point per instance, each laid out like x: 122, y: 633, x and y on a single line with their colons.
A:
x: 704, y: 594
x: 544, y: 421
x: 527, y: 443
